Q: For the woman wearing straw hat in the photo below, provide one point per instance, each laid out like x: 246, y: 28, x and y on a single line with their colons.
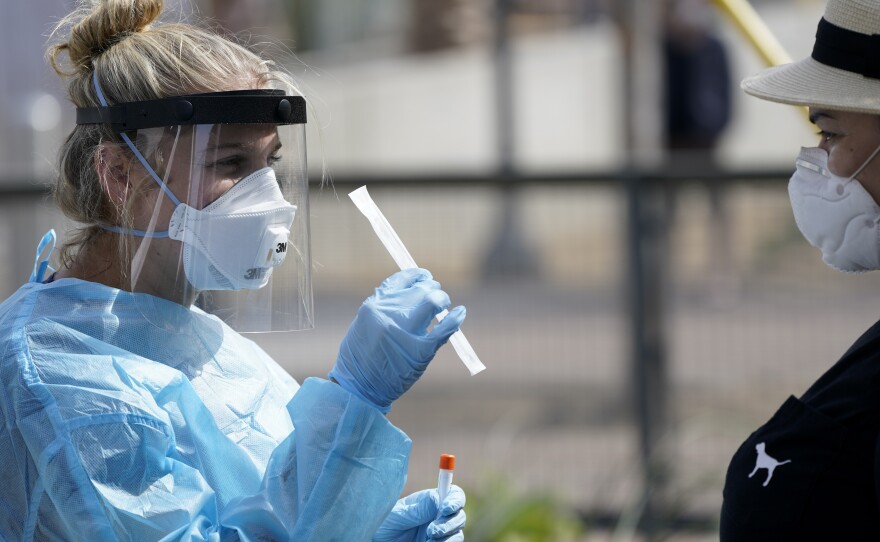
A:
x: 811, y: 472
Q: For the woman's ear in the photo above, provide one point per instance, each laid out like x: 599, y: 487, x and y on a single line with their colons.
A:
x: 111, y: 164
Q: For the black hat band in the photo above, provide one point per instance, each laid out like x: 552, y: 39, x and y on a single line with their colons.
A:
x: 847, y: 50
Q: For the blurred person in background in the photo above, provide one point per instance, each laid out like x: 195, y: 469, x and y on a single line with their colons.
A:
x: 812, y: 472
x: 698, y: 96
x: 131, y: 413
x: 698, y: 110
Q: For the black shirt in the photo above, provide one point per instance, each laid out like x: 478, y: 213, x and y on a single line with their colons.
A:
x: 821, y: 451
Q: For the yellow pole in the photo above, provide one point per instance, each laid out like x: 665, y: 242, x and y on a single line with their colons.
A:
x: 755, y: 31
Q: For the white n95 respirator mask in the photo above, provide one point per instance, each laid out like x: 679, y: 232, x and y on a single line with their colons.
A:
x: 236, y: 241
x: 835, y: 214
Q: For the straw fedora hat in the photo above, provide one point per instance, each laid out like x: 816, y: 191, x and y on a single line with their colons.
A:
x: 843, y: 72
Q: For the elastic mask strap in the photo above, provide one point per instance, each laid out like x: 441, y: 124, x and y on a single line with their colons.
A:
x: 863, y: 166
x: 41, y: 265
x: 137, y: 154
x: 136, y: 233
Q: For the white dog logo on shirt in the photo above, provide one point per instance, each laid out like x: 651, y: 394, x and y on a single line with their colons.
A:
x: 766, y: 462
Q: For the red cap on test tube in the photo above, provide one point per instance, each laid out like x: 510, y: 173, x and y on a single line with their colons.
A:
x: 447, y: 461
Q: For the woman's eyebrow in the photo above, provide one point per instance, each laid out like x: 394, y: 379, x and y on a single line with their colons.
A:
x: 244, y: 146
x: 238, y: 146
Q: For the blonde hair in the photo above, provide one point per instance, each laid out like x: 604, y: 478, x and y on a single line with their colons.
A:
x: 134, y: 58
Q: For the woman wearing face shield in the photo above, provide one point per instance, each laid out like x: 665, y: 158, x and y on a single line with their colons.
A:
x: 133, y: 408
x: 812, y: 472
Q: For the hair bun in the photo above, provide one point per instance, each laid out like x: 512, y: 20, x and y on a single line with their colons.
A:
x: 98, y: 24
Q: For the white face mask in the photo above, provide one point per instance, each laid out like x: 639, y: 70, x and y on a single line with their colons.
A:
x: 234, y: 242
x: 835, y: 214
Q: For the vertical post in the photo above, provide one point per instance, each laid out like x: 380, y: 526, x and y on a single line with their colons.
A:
x: 509, y: 256
x: 503, y: 81
x: 647, y: 247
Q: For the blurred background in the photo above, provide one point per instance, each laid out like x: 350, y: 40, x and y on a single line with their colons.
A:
x: 588, y: 179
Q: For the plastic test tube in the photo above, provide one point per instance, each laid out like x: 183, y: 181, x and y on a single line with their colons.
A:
x: 404, y: 260
x: 444, y: 481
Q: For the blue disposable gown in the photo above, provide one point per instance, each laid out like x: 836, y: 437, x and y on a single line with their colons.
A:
x: 128, y: 417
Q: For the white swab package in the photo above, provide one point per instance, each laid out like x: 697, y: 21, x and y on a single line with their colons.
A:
x: 404, y: 260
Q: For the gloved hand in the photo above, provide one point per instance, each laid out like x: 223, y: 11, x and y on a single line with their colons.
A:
x: 387, y: 347
x: 415, y: 518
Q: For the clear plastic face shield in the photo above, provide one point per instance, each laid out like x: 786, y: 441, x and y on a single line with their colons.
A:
x: 213, y: 204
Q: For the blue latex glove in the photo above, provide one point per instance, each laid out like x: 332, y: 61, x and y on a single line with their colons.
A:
x: 388, y: 347
x: 415, y: 518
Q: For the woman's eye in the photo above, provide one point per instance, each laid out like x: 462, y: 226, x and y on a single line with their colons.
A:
x: 231, y: 161
x: 237, y: 161
x: 826, y: 135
